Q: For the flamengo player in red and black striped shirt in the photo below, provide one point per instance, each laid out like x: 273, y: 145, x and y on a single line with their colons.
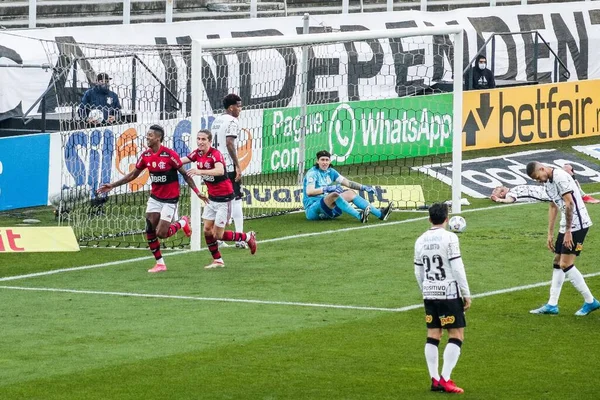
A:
x: 163, y: 164
x: 217, y: 212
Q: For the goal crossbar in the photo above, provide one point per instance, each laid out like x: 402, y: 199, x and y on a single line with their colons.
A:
x: 455, y: 32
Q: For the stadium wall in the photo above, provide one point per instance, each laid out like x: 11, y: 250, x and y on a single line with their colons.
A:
x: 571, y: 29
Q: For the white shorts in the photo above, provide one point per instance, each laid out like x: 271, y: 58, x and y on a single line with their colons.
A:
x: 168, y: 211
x: 218, y: 212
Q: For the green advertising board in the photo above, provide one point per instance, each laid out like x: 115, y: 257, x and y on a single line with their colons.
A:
x: 358, y: 132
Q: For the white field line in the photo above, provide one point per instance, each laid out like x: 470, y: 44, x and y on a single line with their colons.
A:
x: 270, y: 302
x: 302, y: 235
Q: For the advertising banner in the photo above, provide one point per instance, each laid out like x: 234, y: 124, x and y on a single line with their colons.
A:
x: 358, y: 132
x: 592, y: 150
x: 363, y: 70
x: 290, y: 197
x: 91, y: 157
x: 481, y: 175
x: 531, y: 114
x: 37, y: 239
x: 24, y: 165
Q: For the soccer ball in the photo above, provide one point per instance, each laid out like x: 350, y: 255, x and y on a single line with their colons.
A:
x: 457, y: 224
x: 96, y: 116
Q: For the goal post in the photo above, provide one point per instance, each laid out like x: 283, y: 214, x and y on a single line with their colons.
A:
x: 381, y: 102
x: 267, y: 59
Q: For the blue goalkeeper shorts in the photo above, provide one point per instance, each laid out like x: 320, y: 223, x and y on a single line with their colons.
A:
x: 319, y: 210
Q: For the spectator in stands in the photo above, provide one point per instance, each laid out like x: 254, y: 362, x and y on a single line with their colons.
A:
x: 482, y: 77
x: 100, y: 98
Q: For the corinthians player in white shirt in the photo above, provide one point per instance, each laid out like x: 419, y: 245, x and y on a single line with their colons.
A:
x: 574, y: 224
x: 225, y: 129
x: 441, y: 276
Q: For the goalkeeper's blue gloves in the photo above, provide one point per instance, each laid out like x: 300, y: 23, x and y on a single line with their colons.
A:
x: 332, y: 189
x: 368, y: 189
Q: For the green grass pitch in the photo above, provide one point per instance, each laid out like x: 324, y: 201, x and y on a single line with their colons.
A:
x: 267, y: 326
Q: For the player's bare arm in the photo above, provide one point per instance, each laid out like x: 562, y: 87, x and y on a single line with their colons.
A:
x: 218, y: 170
x: 107, y: 187
x: 190, y: 181
x: 552, y: 213
x: 232, y: 150
x: 569, y: 209
x: 358, y: 186
x: 185, y: 160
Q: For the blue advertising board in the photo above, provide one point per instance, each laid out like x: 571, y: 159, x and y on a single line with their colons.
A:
x: 24, y: 169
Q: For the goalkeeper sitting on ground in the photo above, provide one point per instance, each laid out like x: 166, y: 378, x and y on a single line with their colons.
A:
x: 324, y: 198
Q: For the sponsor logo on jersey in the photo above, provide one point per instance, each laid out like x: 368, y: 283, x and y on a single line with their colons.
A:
x: 447, y: 320
x: 158, y: 178
x: 579, y: 247
x: 153, y: 164
x: 428, y: 318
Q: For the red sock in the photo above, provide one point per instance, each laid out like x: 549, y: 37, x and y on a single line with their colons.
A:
x: 175, y: 226
x: 154, y: 244
x: 231, y: 236
x: 211, y: 242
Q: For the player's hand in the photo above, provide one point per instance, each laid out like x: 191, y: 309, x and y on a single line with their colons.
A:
x: 238, y: 174
x: 368, y: 189
x: 550, y: 242
x: 203, y: 198
x: 332, y: 189
x: 105, y: 188
x: 192, y: 172
x: 467, y: 303
x: 494, y: 198
x: 568, y: 240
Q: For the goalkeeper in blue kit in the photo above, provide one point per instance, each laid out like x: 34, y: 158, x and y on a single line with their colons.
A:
x: 324, y: 196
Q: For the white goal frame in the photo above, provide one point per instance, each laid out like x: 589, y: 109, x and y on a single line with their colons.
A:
x: 198, y: 46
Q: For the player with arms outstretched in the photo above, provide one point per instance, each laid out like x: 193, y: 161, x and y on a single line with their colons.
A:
x: 325, y: 198
x: 226, y: 130
x: 442, y: 279
x: 163, y: 164
x: 210, y: 165
x: 574, y: 224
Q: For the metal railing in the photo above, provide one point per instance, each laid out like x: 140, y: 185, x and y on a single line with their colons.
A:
x: 537, y: 37
x: 253, y: 13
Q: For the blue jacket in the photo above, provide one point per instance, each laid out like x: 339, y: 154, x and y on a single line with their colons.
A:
x: 102, y: 99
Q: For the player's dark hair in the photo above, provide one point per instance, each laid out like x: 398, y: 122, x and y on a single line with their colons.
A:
x: 231, y: 100
x: 531, y: 168
x: 323, y: 153
x: 207, y: 132
x: 159, y: 129
x: 438, y: 213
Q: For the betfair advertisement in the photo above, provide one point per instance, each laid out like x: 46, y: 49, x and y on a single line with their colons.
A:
x: 531, y: 114
x: 37, y: 239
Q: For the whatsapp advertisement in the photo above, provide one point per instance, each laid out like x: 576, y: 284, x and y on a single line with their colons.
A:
x: 358, y: 132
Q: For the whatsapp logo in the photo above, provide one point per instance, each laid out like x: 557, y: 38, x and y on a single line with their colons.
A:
x: 342, y: 132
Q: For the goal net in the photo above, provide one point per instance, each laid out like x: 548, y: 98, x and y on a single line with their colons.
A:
x: 382, y: 102
x: 101, y: 144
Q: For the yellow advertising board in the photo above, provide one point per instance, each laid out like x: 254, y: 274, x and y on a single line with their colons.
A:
x: 530, y: 114
x: 290, y: 197
x: 25, y: 239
